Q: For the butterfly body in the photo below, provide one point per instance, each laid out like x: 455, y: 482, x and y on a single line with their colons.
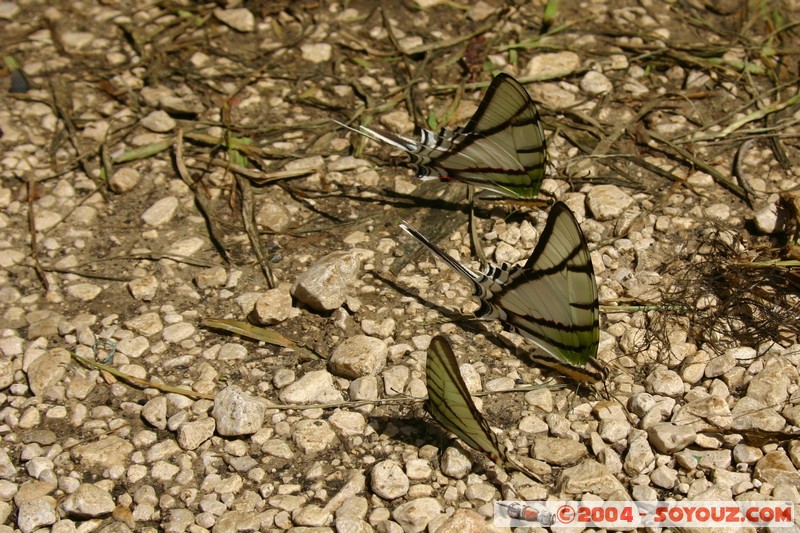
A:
x: 501, y: 149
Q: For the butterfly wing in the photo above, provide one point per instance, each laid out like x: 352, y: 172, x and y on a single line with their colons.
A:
x: 450, y: 403
x: 502, y: 147
x: 551, y: 300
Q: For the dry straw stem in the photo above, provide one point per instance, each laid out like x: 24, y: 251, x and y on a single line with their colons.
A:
x: 145, y: 384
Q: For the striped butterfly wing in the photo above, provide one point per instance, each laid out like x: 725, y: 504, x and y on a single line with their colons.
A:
x: 551, y: 300
x: 450, y: 403
x: 501, y: 149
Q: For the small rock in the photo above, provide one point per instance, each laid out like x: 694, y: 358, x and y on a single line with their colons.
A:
x: 743, y: 453
x: 590, y: 476
x: 640, y: 458
x: 717, y: 366
x: 237, y: 413
x: 776, y: 468
x: 85, y: 292
x: 669, y: 438
x: 388, y: 480
x: 107, y: 452
x: 463, y: 521
x: 124, y: 180
x: 211, y: 278
x: 663, y: 382
x: 159, y: 122
x: 594, y: 82
x: 414, y: 516
x: 143, y: 289
x: 47, y: 370
x: 557, y: 451
x: 155, y: 412
x: 45, y: 219
x: 553, y: 66
x: 316, y: 52
x: 274, y: 306
x: 766, y: 219
x: 313, y: 436
x: 36, y: 513
x: 607, y: 202
x: 348, y: 423
x: 749, y: 414
x: 161, y: 211
x: 455, y: 463
x: 180, y: 331
x: 358, y: 356
x: 89, y: 501
x: 146, y: 324
x: 314, y: 387
x: 240, y: 19
x: 74, y: 41
x: 324, y: 285
x: 192, y: 434
x: 311, y: 516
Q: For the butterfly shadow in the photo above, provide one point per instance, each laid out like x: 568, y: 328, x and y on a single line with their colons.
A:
x: 420, y: 430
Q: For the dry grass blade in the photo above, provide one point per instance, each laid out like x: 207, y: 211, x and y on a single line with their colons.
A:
x: 139, y: 382
x: 258, y: 333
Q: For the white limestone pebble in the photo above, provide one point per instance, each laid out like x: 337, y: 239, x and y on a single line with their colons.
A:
x: 358, y: 356
x: 455, y: 463
x: 590, y: 473
x: 240, y: 18
x: 211, y: 278
x: 85, y: 292
x: 161, y: 212
x: 273, y: 307
x: 45, y: 219
x: 414, y: 516
x: 158, y: 121
x: 237, y: 413
x: 557, y: 451
x: 669, y: 438
x: 47, y: 370
x: 463, y: 521
x: 664, y: 382
x: 324, y: 286
x: 594, y: 82
x: 553, y: 65
x: 313, y: 387
x: 180, y: 331
x: 192, y: 434
x: 640, y: 458
x: 316, y: 52
x: 313, y: 436
x: 388, y: 480
x: 106, y: 452
x: 348, y: 423
x: 155, y: 412
x: 124, y: 180
x: 36, y: 513
x: 607, y: 202
x: 144, y: 288
x: 89, y: 501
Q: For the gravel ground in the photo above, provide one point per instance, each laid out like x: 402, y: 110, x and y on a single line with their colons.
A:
x: 147, y: 146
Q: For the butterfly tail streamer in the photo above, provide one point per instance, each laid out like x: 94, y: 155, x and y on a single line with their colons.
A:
x: 472, y: 276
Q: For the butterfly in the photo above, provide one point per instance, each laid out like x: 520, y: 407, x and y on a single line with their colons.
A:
x: 450, y: 403
x: 551, y: 300
x: 501, y: 149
